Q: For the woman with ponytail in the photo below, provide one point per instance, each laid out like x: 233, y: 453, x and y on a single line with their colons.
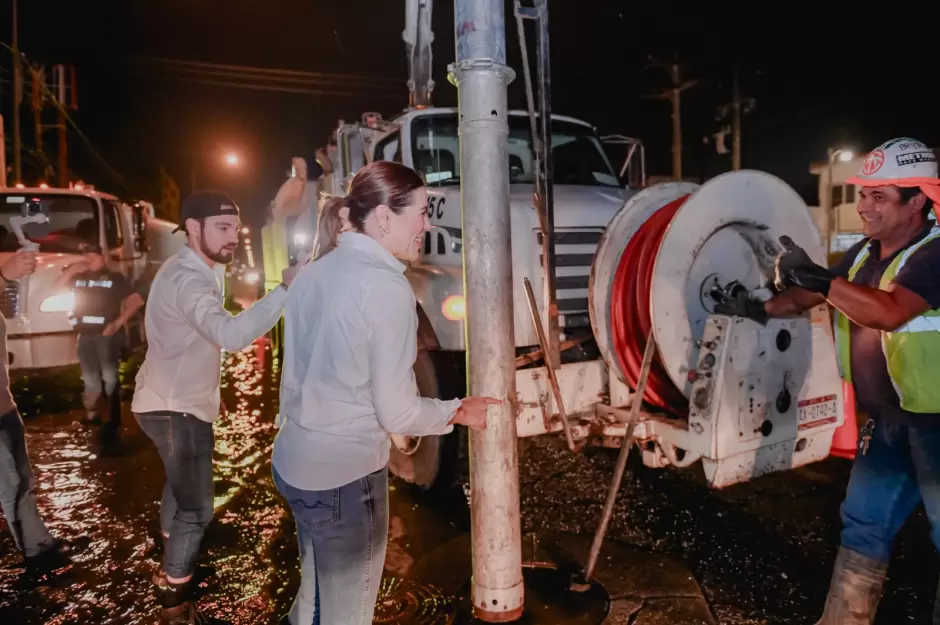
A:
x: 332, y: 221
x: 347, y: 384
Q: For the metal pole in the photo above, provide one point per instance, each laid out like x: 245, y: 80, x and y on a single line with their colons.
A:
x: 17, y: 96
x: 626, y: 444
x: 482, y: 77
x: 550, y: 299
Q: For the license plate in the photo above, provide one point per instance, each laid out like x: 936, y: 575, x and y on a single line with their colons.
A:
x: 818, y: 411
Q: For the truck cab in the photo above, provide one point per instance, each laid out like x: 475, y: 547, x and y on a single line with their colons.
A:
x: 62, y: 224
x: 588, y: 191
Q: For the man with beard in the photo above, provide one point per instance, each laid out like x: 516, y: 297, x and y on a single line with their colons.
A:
x: 177, y: 395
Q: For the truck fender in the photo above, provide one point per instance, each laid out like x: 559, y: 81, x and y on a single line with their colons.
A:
x: 427, y: 338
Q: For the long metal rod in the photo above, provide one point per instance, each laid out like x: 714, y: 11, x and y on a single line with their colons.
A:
x: 547, y: 195
x: 556, y: 389
x: 521, y: 15
x: 482, y: 77
x: 625, y: 445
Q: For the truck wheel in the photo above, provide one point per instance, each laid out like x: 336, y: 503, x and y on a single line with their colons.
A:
x: 428, y: 462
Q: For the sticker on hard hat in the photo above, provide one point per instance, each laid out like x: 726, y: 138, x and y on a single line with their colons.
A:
x: 916, y: 157
x: 873, y: 162
x: 904, y: 144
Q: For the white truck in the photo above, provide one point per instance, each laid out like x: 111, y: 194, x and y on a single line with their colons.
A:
x: 62, y: 224
x: 745, y: 399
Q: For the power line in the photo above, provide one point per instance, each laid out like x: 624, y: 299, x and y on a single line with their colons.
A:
x: 287, y: 74
x: 113, y: 172
x: 271, y: 80
x: 283, y: 89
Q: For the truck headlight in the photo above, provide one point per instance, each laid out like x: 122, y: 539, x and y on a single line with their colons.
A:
x: 454, y: 308
x: 63, y: 302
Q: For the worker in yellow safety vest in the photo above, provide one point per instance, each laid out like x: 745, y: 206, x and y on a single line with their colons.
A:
x: 886, y: 296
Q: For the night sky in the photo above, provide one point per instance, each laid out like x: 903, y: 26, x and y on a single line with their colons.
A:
x: 817, y: 80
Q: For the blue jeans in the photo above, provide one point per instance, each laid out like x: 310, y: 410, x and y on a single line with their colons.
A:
x: 17, y: 489
x: 342, y: 535
x: 185, y: 444
x: 901, y: 469
x: 98, y: 357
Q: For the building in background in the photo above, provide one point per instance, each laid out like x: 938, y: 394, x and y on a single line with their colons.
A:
x: 846, y: 224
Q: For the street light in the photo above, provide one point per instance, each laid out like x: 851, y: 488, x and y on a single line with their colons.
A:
x: 230, y: 159
x: 844, y: 156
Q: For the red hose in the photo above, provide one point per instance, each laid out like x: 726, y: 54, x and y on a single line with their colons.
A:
x: 630, y: 319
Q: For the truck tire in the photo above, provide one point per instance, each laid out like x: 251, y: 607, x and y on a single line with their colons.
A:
x: 428, y: 462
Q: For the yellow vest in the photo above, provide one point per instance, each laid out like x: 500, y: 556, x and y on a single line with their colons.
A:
x: 911, y: 351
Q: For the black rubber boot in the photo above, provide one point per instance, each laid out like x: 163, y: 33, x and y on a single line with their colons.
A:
x: 110, y: 434
x: 178, y: 605
x: 855, y: 590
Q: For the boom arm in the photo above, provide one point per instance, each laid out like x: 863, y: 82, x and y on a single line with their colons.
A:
x: 418, y: 38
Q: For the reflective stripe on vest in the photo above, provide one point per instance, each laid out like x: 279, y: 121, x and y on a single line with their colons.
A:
x: 912, y: 351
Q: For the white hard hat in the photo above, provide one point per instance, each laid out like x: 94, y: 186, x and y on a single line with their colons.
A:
x: 902, y: 162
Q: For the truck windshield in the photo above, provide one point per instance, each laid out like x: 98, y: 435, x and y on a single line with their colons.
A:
x: 72, y: 225
x: 577, y: 154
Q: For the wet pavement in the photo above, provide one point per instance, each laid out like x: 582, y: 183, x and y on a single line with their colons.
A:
x: 756, y: 553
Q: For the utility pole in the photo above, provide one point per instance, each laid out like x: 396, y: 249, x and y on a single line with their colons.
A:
x: 3, y: 156
x: 38, y: 83
x: 63, y: 141
x: 482, y: 78
x: 736, y: 124
x: 737, y: 108
x: 17, y: 96
x: 674, y: 95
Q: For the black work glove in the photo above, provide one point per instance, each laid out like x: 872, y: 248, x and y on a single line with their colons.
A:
x: 794, y: 268
x: 743, y: 306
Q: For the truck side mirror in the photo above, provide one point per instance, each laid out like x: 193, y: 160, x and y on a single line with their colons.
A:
x: 140, y: 229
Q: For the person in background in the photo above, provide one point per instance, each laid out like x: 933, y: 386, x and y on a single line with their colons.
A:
x: 351, y: 331
x: 177, y: 395
x: 295, y: 200
x: 41, y: 549
x: 99, y: 293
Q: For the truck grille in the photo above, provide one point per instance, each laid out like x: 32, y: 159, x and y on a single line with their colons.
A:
x: 10, y: 300
x: 574, y: 253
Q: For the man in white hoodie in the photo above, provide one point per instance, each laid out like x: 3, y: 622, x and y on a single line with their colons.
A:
x: 177, y: 398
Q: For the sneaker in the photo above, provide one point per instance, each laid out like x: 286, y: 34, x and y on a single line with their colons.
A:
x: 73, y: 547
x: 60, y: 550
x: 57, y: 556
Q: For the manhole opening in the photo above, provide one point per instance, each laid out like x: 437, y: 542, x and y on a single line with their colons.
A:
x: 550, y: 600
